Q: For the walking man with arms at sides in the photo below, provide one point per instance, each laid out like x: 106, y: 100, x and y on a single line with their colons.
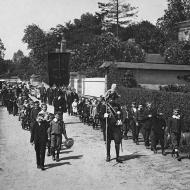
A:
x: 39, y: 138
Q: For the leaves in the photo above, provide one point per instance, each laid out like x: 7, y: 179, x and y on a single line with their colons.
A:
x: 178, y: 10
x: 115, y: 12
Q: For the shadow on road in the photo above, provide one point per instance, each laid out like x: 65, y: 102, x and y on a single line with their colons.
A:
x: 48, y: 166
x: 131, y: 156
x: 65, y: 152
x: 71, y: 157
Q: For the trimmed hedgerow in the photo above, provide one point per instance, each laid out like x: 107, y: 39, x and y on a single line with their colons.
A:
x: 164, y: 102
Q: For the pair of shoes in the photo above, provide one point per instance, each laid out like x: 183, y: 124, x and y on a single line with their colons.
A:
x: 118, y: 160
x: 48, y: 154
x: 108, y: 159
x: 42, y: 168
x: 57, y: 158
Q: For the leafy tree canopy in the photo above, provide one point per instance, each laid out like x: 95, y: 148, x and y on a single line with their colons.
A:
x: 177, y: 11
x: 2, y: 49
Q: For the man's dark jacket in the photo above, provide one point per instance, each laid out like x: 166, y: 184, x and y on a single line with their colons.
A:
x: 39, y: 133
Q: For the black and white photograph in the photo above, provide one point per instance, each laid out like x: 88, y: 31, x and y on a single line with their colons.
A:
x: 95, y: 94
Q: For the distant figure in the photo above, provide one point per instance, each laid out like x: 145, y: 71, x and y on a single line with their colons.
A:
x: 43, y: 94
x: 59, y: 103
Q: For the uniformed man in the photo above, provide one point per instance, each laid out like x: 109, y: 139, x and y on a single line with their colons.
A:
x: 114, y: 122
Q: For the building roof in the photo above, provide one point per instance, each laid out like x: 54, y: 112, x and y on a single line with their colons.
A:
x: 146, y: 66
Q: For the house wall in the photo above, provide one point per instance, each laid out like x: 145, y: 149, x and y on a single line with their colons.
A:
x: 148, y: 77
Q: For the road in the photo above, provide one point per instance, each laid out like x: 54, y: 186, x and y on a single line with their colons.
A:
x: 83, y: 167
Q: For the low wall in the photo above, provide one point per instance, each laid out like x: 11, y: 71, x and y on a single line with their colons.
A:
x: 94, y: 87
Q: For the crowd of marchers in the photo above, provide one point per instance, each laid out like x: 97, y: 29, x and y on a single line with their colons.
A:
x: 91, y: 111
x: 46, y: 128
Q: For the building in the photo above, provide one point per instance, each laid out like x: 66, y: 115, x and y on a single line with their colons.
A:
x: 151, y: 74
x: 184, y: 30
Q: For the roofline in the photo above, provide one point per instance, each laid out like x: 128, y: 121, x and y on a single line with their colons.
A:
x: 147, y: 66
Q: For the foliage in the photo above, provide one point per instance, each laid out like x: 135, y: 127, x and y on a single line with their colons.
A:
x: 177, y: 11
x: 164, y: 102
x: 80, y: 31
x: 147, y: 35
x: 116, y: 13
x: 40, y: 43
x: 175, y: 88
x: 106, y: 47
x: 2, y: 49
x: 129, y: 80
x: 178, y: 53
x: 18, y: 56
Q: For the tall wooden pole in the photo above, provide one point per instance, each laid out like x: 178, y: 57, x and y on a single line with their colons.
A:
x: 117, y: 16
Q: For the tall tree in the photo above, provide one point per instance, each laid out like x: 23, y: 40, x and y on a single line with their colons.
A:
x: 177, y: 11
x: 81, y: 31
x: 2, y: 49
x: 116, y: 13
x: 17, y: 57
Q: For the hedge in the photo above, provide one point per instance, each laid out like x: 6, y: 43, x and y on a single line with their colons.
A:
x: 164, y: 102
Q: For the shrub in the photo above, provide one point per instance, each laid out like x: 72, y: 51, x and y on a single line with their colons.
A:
x: 164, y: 102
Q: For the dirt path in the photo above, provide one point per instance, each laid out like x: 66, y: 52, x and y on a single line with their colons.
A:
x: 83, y: 167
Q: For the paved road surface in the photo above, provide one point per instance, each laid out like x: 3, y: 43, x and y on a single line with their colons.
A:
x: 83, y: 167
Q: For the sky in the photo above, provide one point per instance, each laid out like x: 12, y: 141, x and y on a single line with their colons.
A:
x: 16, y: 15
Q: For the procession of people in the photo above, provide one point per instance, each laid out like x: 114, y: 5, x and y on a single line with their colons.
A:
x: 104, y: 113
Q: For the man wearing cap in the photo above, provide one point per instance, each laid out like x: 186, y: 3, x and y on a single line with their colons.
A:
x: 114, y: 123
x: 175, y: 126
x: 56, y: 129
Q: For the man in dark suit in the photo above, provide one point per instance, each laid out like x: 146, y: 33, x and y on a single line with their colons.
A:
x: 59, y: 103
x: 50, y: 95
x: 43, y: 93
x: 39, y: 137
x: 34, y: 112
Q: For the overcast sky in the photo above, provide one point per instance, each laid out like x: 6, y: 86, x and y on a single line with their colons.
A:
x: 15, y: 15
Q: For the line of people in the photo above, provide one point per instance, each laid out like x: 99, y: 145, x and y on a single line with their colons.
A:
x: 46, y: 128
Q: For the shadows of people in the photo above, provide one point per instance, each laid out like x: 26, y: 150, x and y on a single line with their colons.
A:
x: 66, y: 152
x: 131, y: 156
x: 48, y: 166
x: 71, y: 157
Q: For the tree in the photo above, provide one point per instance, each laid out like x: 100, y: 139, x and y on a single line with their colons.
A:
x: 177, y: 11
x: 106, y: 47
x: 80, y: 31
x: 116, y: 13
x: 2, y: 49
x: 17, y: 57
x: 147, y: 35
x: 39, y: 43
x: 177, y: 53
